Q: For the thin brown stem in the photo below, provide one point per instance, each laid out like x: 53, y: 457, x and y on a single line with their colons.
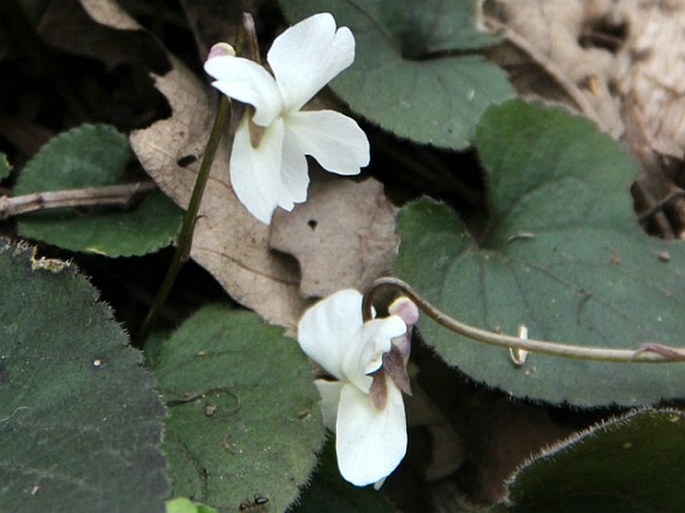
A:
x: 110, y: 195
x: 647, y: 352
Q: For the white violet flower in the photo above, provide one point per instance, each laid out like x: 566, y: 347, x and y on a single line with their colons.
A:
x: 364, y: 406
x: 268, y: 166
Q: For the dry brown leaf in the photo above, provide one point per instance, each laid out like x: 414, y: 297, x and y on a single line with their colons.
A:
x: 549, y: 33
x: 653, y: 70
x: 228, y: 241
x: 343, y: 236
x: 100, y: 29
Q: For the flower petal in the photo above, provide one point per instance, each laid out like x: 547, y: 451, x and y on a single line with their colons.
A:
x: 307, y: 56
x: 376, y: 338
x: 333, y: 139
x: 256, y: 172
x: 248, y: 82
x: 328, y: 329
x: 294, y: 172
x: 370, y: 443
x: 330, y: 398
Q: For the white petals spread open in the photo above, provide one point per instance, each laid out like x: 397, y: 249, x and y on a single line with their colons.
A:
x: 272, y: 172
x: 370, y: 441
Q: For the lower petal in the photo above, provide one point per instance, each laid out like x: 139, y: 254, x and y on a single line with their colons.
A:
x: 334, y: 140
x: 330, y: 398
x: 370, y: 443
x: 295, y: 172
x: 256, y: 172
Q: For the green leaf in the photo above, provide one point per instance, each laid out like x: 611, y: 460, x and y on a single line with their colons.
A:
x: 329, y: 492
x: 409, y: 76
x: 5, y: 167
x: 92, y: 156
x: 563, y: 256
x: 80, y: 423
x: 183, y: 505
x: 244, y: 418
x: 631, y: 464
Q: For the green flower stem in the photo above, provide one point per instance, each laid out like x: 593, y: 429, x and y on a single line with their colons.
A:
x: 647, y: 353
x: 185, y: 237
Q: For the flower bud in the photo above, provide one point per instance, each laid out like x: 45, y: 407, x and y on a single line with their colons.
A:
x: 405, y: 309
x: 221, y: 50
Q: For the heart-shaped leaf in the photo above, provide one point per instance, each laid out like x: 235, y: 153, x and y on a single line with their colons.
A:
x: 92, y: 156
x: 633, y: 463
x: 563, y: 255
x: 244, y: 419
x: 411, y: 75
x: 80, y: 423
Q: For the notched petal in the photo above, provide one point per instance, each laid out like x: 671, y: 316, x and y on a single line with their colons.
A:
x: 305, y: 57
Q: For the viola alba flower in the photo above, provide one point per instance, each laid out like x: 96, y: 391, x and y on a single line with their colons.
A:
x: 268, y: 166
x: 364, y: 406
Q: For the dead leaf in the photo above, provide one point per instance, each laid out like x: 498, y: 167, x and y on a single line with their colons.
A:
x: 653, y: 70
x: 100, y: 29
x: 228, y: 242
x: 343, y: 236
x: 549, y: 33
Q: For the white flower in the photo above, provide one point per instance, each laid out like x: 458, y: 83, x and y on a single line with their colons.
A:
x: 268, y: 165
x: 371, y: 431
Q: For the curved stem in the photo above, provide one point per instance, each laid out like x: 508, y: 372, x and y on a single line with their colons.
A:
x: 648, y: 353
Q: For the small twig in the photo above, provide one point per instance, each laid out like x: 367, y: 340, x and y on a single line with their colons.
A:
x: 661, y: 205
x: 110, y: 195
x: 648, y: 353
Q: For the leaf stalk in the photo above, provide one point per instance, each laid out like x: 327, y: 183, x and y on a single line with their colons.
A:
x: 645, y: 353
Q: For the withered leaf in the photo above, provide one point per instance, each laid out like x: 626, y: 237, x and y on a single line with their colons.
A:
x: 343, y: 236
x: 231, y: 244
x: 100, y: 29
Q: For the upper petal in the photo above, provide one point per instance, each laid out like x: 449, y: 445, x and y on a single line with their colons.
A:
x: 333, y: 139
x: 256, y: 172
x: 370, y: 443
x: 328, y: 329
x: 377, y: 338
x: 307, y: 56
x: 248, y: 82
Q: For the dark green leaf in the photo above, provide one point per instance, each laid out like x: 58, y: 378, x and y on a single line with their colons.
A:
x: 631, y: 464
x: 92, y: 156
x: 409, y: 76
x: 80, y: 423
x: 564, y: 256
x: 244, y: 418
